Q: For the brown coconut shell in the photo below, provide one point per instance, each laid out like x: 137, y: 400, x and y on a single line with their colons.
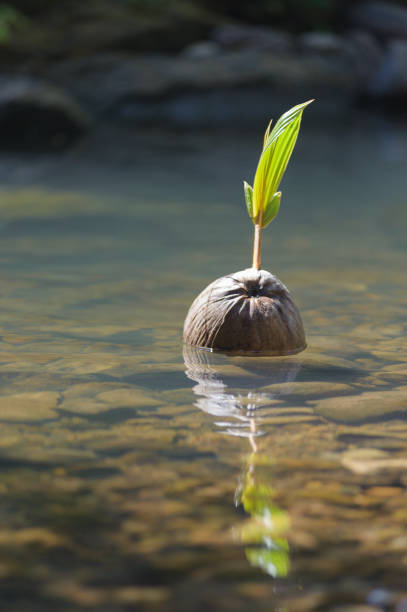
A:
x: 248, y: 311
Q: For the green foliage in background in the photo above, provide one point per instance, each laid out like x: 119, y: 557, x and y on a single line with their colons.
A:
x: 10, y: 18
x: 263, y: 199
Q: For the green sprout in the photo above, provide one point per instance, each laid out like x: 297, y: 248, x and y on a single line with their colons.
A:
x: 263, y: 199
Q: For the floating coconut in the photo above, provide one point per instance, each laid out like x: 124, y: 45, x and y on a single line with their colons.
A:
x: 251, y: 310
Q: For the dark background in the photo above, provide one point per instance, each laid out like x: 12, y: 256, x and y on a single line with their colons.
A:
x: 70, y: 66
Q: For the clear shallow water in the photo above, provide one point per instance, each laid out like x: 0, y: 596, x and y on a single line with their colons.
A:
x: 136, y: 476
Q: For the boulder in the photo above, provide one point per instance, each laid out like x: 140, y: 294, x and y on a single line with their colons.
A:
x: 166, y: 88
x: 233, y: 36
x: 385, y: 19
x: 390, y: 81
x: 364, y: 55
x: 201, y: 50
x: 364, y: 49
x: 36, y: 115
x: 321, y: 42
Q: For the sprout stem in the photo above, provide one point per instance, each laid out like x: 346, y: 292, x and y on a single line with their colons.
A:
x: 257, y: 247
x: 257, y: 240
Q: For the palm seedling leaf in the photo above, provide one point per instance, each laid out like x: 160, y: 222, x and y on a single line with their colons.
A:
x: 263, y: 200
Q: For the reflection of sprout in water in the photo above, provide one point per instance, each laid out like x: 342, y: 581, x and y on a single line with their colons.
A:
x: 268, y: 524
x: 231, y: 389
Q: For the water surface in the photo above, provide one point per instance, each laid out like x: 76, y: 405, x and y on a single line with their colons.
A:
x: 139, y: 476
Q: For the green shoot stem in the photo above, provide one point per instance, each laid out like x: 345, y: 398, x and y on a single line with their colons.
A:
x: 257, y: 247
x: 257, y: 241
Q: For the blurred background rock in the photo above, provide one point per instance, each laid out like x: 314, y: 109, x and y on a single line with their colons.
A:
x: 67, y: 65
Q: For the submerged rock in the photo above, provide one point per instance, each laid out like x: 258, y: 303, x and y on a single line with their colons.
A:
x: 29, y: 406
x: 250, y: 310
x: 362, y: 406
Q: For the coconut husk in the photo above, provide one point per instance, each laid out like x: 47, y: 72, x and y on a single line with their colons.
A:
x: 248, y: 311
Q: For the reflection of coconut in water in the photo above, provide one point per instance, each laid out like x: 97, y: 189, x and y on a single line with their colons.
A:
x: 231, y: 387
x: 251, y: 310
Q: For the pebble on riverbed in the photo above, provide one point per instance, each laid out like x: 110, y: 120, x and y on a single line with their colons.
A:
x: 250, y: 310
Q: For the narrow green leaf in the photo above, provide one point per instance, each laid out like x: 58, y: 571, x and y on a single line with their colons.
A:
x: 248, y: 194
x: 267, y: 133
x: 278, y: 147
x: 271, y: 209
x: 281, y: 156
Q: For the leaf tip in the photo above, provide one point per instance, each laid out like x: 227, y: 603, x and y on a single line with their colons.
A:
x: 267, y: 133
